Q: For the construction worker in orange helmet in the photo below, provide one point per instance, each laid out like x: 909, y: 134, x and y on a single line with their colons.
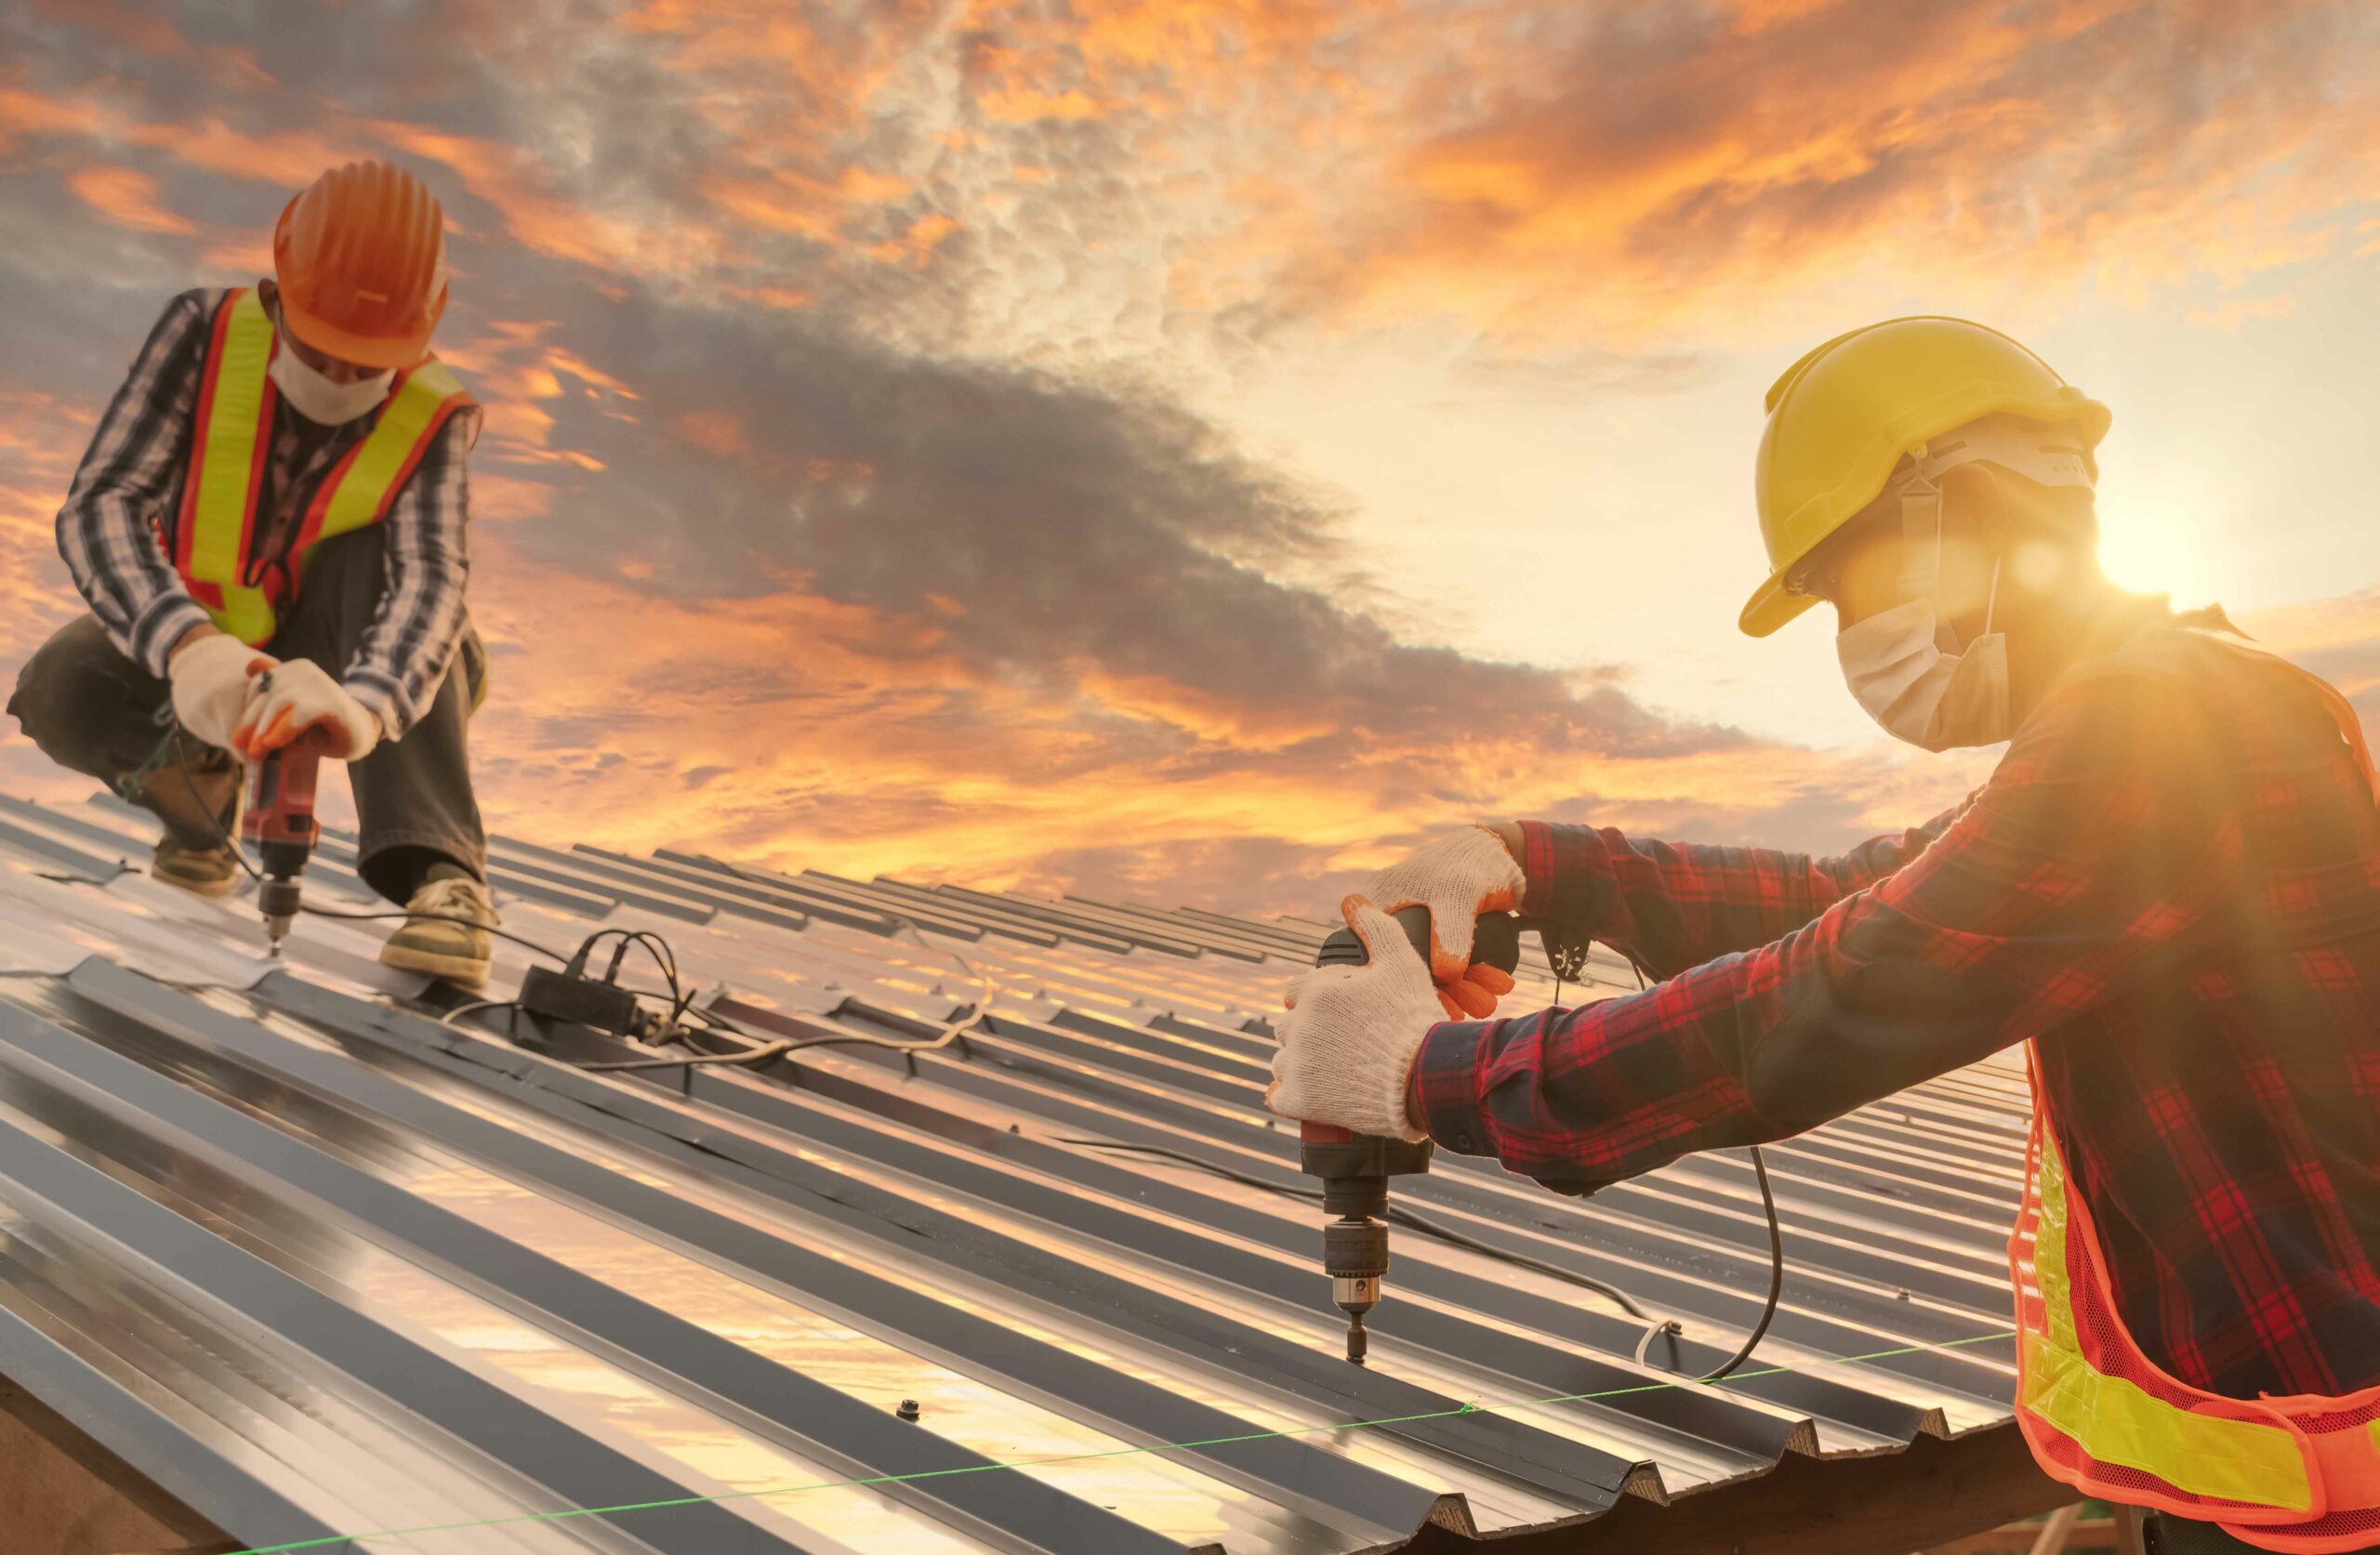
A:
x: 270, y: 529
x: 2168, y: 895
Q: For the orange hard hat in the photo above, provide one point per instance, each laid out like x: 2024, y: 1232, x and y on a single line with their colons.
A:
x: 360, y: 256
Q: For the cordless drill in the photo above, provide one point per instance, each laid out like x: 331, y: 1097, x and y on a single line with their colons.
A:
x: 279, y: 819
x: 1355, y: 1169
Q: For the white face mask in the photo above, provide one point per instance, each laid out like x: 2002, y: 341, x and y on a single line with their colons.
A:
x: 320, y: 400
x: 1896, y: 666
x: 1905, y: 665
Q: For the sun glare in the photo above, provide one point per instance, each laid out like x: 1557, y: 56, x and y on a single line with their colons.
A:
x: 2157, y: 551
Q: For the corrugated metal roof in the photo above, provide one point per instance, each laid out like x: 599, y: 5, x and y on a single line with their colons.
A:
x: 322, y: 1264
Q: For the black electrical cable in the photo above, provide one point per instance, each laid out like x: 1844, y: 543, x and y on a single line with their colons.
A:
x: 1776, y: 1272
x: 664, y: 957
x: 756, y: 1055
x: 476, y: 1006
x: 239, y: 856
x: 1769, y: 1208
x: 1397, y: 1215
x: 862, y: 1039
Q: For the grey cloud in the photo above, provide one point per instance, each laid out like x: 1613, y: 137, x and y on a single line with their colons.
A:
x: 1071, y: 525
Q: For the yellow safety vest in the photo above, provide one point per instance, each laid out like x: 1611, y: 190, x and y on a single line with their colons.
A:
x: 215, y: 539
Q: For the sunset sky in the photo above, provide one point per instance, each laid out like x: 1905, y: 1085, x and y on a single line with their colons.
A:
x: 1190, y: 450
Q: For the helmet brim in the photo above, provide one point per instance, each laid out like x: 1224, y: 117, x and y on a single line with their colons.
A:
x: 365, y: 350
x: 1770, y: 607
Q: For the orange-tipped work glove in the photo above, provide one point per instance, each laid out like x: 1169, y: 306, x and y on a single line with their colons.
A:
x: 294, y: 696
x: 1349, y: 1038
x: 1457, y: 878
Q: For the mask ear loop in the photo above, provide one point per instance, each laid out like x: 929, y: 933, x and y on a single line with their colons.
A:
x: 1915, y: 497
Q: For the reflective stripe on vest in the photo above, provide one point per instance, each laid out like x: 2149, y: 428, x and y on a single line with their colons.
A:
x: 216, y: 538
x: 2291, y: 1474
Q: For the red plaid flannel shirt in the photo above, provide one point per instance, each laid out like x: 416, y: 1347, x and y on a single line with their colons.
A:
x: 2171, y: 882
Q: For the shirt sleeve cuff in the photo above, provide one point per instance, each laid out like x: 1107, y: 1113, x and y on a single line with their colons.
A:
x: 1569, y: 875
x: 1442, y: 1092
x: 1537, y: 868
x: 159, y: 625
x: 377, y: 700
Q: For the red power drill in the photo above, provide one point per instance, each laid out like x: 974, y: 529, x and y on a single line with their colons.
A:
x: 279, y: 819
x: 1355, y: 1169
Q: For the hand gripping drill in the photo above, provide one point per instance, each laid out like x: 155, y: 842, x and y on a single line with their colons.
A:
x: 1355, y: 1169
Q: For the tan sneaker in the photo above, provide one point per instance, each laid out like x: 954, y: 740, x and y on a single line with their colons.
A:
x: 434, y: 942
x: 205, y: 871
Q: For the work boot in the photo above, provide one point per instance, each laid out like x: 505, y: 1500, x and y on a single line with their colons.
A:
x: 433, y: 942
x: 205, y: 871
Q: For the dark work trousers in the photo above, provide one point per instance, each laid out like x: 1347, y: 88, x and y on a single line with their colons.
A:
x: 92, y: 710
x: 2172, y: 1536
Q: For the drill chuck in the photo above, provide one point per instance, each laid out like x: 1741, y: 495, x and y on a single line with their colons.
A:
x: 279, y: 817
x: 277, y: 899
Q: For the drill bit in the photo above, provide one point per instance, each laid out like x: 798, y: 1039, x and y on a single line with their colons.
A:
x: 1359, y: 1338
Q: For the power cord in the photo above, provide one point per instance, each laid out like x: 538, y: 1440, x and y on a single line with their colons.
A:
x: 1397, y: 1215
x: 682, y: 1007
x: 1768, y: 1206
x: 954, y: 1031
x: 664, y: 957
x: 239, y: 856
x: 756, y: 1055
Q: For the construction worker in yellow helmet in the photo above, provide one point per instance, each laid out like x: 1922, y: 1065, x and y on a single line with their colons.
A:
x: 2168, y: 895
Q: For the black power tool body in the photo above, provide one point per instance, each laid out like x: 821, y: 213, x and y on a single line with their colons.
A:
x: 1355, y: 1169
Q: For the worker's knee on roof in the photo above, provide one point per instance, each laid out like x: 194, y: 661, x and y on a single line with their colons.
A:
x: 76, y: 688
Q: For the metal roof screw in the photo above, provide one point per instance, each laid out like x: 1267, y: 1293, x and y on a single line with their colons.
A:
x: 1900, y: 1296
x: 908, y: 1410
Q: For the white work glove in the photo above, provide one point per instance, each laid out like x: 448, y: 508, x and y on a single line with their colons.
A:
x: 1457, y: 878
x: 1349, y: 1038
x: 294, y: 696
x: 210, y: 681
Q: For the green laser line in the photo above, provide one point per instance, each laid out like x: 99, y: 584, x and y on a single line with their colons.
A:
x: 330, y: 1540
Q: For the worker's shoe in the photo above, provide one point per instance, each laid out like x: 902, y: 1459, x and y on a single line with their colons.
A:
x: 206, y: 871
x: 447, y: 935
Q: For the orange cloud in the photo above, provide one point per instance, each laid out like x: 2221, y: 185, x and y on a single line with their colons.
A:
x: 504, y: 177
x: 1671, y: 174
x: 715, y: 431
x: 25, y: 113
x: 140, y: 27
x: 291, y: 158
x: 1023, y: 105
x: 126, y: 197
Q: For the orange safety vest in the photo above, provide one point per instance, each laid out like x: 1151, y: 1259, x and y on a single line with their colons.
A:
x: 215, y: 539
x: 2299, y: 1474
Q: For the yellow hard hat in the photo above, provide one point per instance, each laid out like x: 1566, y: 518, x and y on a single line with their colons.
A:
x: 1841, y: 418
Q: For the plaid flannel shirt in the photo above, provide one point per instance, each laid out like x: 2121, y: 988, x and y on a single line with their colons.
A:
x: 116, y: 530
x: 2172, y: 882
